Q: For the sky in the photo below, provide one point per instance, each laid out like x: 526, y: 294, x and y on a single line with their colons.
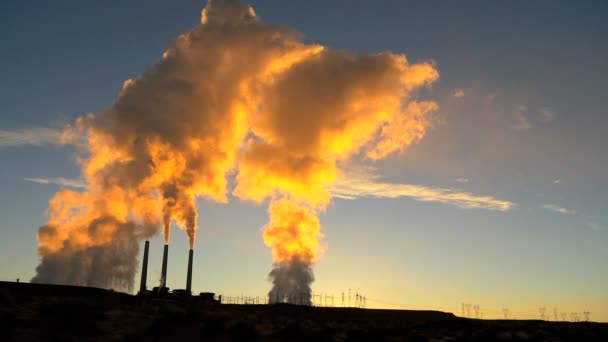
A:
x: 521, y: 121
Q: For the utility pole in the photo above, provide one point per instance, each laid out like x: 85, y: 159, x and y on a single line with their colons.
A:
x: 555, y: 313
x: 462, y: 309
x: 349, y: 298
x: 469, y: 310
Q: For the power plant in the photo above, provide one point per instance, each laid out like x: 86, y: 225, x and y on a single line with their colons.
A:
x: 162, y: 290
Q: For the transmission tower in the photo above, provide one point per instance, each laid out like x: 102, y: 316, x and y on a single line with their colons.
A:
x: 462, y: 309
x: 563, y: 314
x: 505, y: 311
x: 468, y: 310
x: 555, y: 313
x: 586, y: 313
x: 542, y: 313
x: 476, y: 308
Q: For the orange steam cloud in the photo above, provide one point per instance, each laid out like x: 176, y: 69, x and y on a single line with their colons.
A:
x: 293, y: 232
x: 325, y: 109
x: 229, y: 95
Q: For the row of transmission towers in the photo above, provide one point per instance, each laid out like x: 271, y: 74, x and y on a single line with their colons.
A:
x: 348, y: 300
x: 544, y: 315
x: 574, y: 316
x: 466, y: 311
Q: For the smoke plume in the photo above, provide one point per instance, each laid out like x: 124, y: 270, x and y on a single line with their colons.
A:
x: 231, y: 94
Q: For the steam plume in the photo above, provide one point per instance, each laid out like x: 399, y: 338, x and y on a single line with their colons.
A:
x: 175, y: 132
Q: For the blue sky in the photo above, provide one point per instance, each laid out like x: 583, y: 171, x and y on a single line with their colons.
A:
x: 522, y: 120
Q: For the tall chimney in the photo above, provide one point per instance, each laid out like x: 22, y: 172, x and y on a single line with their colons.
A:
x: 144, y: 268
x: 189, y: 278
x: 163, y: 275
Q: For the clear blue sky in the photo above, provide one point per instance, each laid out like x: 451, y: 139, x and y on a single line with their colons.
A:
x: 529, y: 128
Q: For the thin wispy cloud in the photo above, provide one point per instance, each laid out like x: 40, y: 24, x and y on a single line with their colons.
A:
x: 462, y: 180
x: 557, y: 181
x: 366, y: 185
x: 589, y: 220
x: 594, y: 226
x: 67, y: 182
x: 35, y: 136
x: 557, y: 209
x: 458, y: 93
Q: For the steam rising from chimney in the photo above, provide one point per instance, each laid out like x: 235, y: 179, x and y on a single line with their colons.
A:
x: 231, y: 94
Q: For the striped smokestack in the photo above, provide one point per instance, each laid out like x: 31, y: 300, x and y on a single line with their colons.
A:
x: 163, y: 275
x: 144, y: 268
x: 189, y: 278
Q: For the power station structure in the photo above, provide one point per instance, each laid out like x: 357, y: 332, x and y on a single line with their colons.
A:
x: 162, y: 289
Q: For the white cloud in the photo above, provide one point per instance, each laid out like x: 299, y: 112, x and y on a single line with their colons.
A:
x: 521, y: 120
x: 36, y: 136
x: 67, y: 182
x: 462, y: 180
x: 557, y: 181
x: 557, y: 209
x: 458, y: 93
x: 546, y: 115
x: 367, y: 185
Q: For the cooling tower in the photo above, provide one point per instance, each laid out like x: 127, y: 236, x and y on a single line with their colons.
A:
x: 144, y: 268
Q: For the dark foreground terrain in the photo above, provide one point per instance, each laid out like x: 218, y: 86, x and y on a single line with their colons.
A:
x: 31, y: 312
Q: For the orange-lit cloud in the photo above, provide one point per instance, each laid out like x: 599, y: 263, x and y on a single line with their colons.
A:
x: 293, y: 232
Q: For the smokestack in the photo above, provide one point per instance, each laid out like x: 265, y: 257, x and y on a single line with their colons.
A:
x: 163, y: 275
x: 189, y: 279
x: 144, y: 268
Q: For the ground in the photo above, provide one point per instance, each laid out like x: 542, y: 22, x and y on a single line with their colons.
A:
x: 34, y: 312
